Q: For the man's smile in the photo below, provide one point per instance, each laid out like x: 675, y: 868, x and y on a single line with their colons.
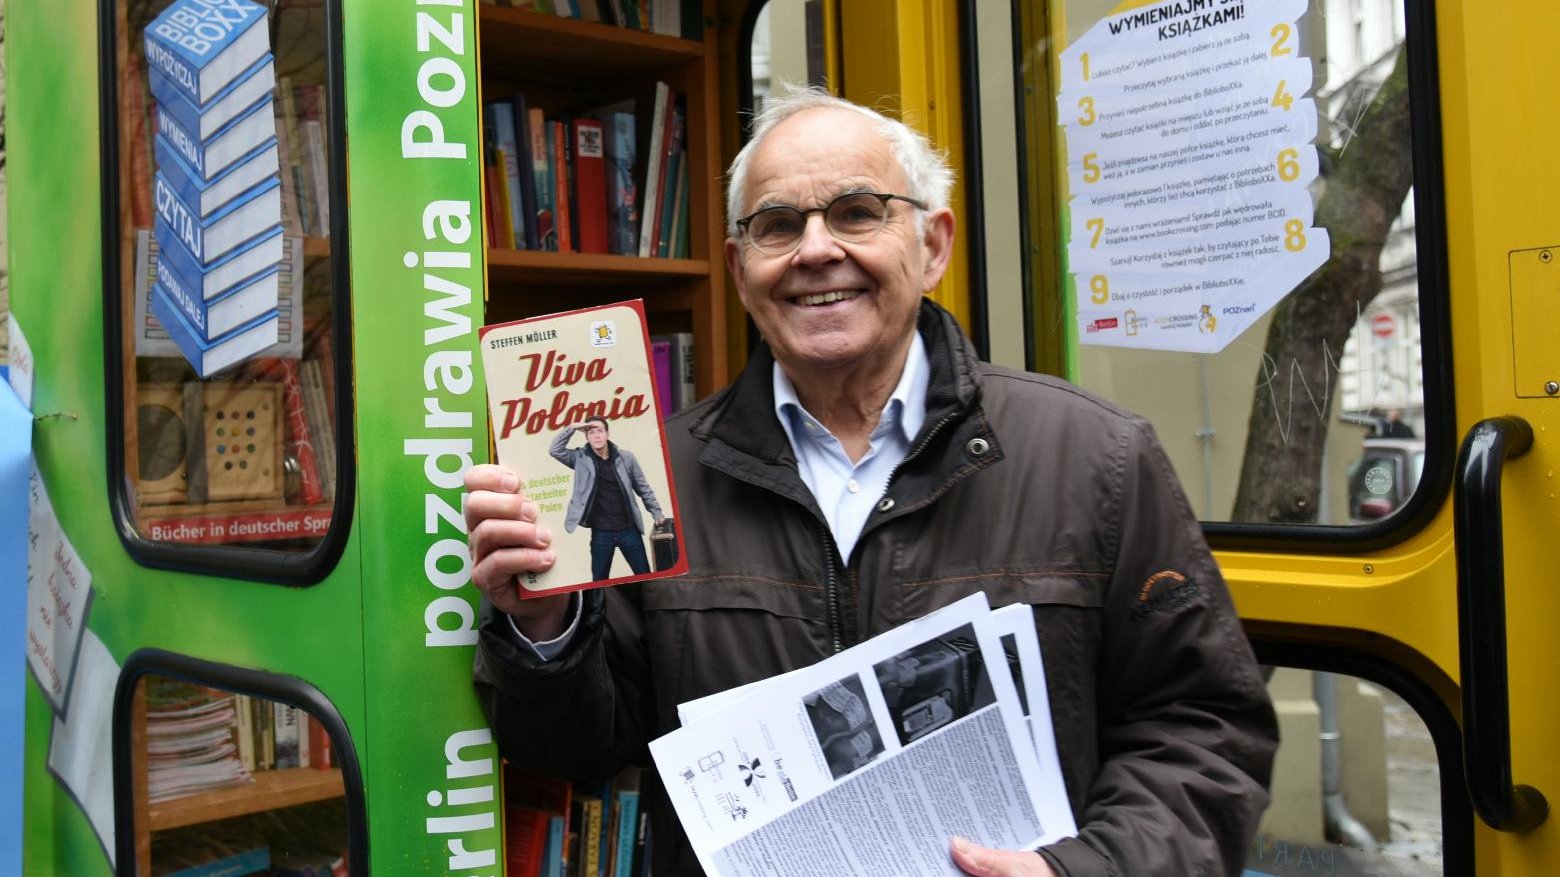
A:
x: 823, y: 298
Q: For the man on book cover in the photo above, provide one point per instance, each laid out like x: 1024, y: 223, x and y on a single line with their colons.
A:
x: 606, y: 478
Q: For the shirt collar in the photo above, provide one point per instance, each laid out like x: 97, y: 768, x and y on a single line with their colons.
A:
x: 908, y: 399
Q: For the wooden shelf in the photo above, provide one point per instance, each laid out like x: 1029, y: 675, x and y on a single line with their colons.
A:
x: 521, y: 266
x: 271, y: 790
x: 550, y: 46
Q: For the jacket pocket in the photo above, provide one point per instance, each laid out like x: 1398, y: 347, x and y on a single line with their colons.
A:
x: 711, y: 633
x: 1035, y: 587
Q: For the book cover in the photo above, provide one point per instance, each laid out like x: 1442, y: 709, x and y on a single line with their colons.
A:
x: 237, y: 140
x: 546, y: 377
x: 208, y: 195
x: 590, y: 185
x: 626, y: 827
x: 204, y: 120
x: 210, y: 357
x: 285, y: 722
x: 590, y: 835
x: 206, y: 239
x: 661, y: 360
x: 203, y: 45
x: 320, y: 756
x: 552, y: 859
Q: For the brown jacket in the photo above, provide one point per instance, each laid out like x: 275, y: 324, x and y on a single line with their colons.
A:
x: 1019, y: 485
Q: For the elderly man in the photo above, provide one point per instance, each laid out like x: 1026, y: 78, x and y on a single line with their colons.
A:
x: 864, y: 469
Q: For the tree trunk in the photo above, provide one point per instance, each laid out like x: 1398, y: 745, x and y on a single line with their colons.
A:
x: 1364, y: 188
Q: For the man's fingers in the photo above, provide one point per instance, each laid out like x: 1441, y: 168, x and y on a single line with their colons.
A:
x: 498, y: 533
x: 483, y: 505
x: 491, y: 476
x: 985, y: 862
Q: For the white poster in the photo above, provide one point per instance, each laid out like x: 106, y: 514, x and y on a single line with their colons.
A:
x: 1190, y: 155
x: 81, y: 750
x: 59, y: 589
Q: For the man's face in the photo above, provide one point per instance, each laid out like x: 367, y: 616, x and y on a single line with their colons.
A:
x: 831, y: 309
x: 596, y: 434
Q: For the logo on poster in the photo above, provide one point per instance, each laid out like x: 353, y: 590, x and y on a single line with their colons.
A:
x: 603, y: 334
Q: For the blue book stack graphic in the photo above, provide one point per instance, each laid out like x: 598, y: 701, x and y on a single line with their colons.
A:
x: 217, y: 189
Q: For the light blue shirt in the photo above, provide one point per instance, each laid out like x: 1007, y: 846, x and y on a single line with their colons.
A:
x: 847, y: 492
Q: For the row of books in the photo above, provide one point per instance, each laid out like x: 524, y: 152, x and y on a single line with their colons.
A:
x: 199, y: 739
x: 677, y: 18
x: 302, y: 139
x: 271, y: 735
x: 554, y: 828
x: 614, y: 179
x: 217, y: 184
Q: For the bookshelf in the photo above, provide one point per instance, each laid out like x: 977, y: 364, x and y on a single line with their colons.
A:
x: 566, y: 66
x: 271, y: 790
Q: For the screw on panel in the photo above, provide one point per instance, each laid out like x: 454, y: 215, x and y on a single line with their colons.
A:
x: 1545, y: 256
x: 1551, y: 387
x: 1369, y: 568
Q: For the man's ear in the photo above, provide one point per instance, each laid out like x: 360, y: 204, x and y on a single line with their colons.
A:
x: 735, y: 265
x: 937, y: 241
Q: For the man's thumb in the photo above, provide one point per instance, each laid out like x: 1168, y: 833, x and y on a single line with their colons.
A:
x: 970, y: 858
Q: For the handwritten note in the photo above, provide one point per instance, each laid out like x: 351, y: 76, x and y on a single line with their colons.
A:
x: 59, y: 589
x: 21, y: 364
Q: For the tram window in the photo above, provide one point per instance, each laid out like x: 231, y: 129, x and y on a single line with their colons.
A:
x: 232, y: 782
x: 1356, y: 783
x: 1238, y: 239
x: 225, y: 285
x: 786, y: 48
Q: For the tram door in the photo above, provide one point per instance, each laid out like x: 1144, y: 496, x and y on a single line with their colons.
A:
x: 1316, y: 243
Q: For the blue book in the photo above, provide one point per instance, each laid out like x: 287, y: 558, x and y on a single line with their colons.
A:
x: 501, y: 115
x: 627, y: 829
x: 215, y: 317
x: 228, y: 272
x: 206, y: 196
x: 246, y: 862
x: 527, y: 175
x: 617, y: 128
x: 208, y: 238
x: 235, y: 141
x: 552, y: 859
x: 210, y: 357
x: 204, y: 120
x: 203, y: 45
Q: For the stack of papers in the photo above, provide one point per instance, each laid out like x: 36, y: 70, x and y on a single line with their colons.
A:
x: 874, y: 759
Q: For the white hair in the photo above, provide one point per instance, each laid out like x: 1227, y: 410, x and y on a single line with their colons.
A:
x: 927, y: 174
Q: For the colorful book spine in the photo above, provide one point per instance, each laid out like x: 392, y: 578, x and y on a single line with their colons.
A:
x: 523, y: 168
x: 649, y: 208
x: 627, y: 823
x: 661, y: 361
x: 502, y: 117
x: 541, y: 174
x: 590, y: 185
x: 297, y: 430
x: 563, y: 214
x: 622, y: 196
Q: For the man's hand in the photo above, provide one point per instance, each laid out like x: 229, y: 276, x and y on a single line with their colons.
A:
x: 984, y: 862
x: 506, y: 542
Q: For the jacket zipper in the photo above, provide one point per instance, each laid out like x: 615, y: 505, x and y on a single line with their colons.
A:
x: 831, y: 591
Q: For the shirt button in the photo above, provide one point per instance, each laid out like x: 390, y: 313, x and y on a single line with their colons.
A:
x: 853, y: 486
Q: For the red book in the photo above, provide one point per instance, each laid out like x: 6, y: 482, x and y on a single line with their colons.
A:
x: 590, y: 185
x: 298, y: 443
x: 561, y: 206
x: 319, y: 746
x: 525, y: 840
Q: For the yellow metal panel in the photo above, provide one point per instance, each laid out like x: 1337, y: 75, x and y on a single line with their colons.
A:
x: 1535, y: 312
x: 901, y: 57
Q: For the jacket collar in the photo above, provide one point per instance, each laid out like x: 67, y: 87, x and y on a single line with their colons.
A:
x: 743, y: 418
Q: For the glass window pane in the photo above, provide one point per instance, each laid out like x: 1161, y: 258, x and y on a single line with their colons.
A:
x: 233, y: 783
x: 1356, y: 784
x: 226, y: 284
x: 1237, y: 232
x: 787, y: 47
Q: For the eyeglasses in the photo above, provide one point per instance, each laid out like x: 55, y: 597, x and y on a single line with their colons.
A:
x: 853, y: 218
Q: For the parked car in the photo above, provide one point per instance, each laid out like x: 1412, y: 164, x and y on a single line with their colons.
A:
x: 1385, y: 477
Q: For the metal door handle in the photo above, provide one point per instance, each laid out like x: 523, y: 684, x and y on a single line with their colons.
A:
x: 1481, y: 602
